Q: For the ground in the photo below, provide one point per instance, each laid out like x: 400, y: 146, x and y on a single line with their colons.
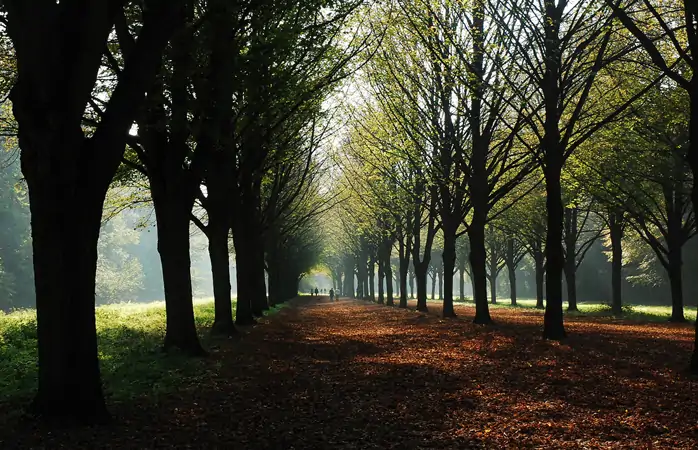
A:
x: 352, y: 374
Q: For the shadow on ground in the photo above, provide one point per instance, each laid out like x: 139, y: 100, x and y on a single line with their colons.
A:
x: 349, y: 374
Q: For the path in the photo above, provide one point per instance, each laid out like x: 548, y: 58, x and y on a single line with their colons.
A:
x: 355, y: 375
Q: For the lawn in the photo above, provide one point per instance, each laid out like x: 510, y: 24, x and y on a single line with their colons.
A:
x: 648, y: 313
x: 130, y: 339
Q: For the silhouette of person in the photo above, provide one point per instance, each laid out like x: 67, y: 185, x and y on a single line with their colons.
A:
x: 331, y: 294
x: 316, y: 291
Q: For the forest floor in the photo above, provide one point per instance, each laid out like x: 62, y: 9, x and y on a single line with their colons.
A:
x: 357, y: 375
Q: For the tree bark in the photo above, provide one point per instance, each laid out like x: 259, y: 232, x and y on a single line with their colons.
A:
x: 433, y: 286
x: 570, y: 217
x: 57, y: 68
x: 223, y: 323
x: 512, y: 284
x: 404, y: 268
x: 553, y: 326
x: 420, y: 272
x: 172, y: 210
x: 676, y: 283
x: 371, y: 280
x: 478, y: 261
x: 693, y: 163
x: 461, y: 283
x: 243, y: 309
x: 554, y: 158
x: 381, y: 275
x: 449, y: 264
x: 65, y: 264
x: 390, y: 301
x: 616, y: 232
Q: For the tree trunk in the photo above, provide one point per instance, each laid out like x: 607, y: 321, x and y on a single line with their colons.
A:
x: 553, y: 325
x: 381, y: 274
x: 512, y: 284
x: 404, y: 268
x: 571, y: 279
x: 243, y: 307
x: 511, y: 261
x: 554, y: 159
x: 449, y: 264
x: 461, y: 283
x: 172, y: 210
x: 433, y: 286
x: 223, y: 323
x: 676, y: 283
x: 372, y: 278
x: 570, y: 269
x: 693, y: 163
x: 390, y: 301
x: 540, y: 278
x: 616, y: 231
x: 493, y: 288
x: 65, y: 230
x: 478, y: 261
x: 420, y: 272
x: 348, y: 287
x: 412, y: 281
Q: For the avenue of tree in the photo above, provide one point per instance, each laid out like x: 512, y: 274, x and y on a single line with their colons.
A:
x: 473, y: 137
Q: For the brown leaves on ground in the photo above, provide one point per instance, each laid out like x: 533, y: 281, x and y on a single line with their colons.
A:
x: 355, y: 375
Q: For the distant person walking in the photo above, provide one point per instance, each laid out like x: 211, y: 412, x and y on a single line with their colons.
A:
x: 331, y: 294
x: 316, y: 292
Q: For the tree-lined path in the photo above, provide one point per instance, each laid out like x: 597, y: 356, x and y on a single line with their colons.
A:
x: 351, y: 374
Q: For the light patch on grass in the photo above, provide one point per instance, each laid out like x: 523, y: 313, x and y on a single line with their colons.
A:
x: 130, y: 337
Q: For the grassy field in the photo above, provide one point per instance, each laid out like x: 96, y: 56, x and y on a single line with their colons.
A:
x: 652, y: 313
x: 130, y: 339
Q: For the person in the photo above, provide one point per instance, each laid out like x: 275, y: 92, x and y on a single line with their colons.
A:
x: 331, y: 294
x: 316, y: 292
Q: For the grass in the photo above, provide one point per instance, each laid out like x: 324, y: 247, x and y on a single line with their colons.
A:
x: 644, y: 313
x: 130, y: 338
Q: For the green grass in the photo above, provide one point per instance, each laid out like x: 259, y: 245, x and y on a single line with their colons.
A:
x: 645, y: 313
x: 130, y: 339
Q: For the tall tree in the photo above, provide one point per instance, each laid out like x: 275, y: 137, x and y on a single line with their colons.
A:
x: 57, y: 71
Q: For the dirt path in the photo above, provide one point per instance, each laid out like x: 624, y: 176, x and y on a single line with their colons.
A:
x: 355, y: 375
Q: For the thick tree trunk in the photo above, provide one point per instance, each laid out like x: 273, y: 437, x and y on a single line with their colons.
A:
x: 553, y: 326
x: 676, y: 283
x: 412, y: 281
x: 243, y: 307
x: 172, y: 210
x: 493, y: 289
x: 554, y: 159
x: 420, y: 272
x: 449, y: 264
x: 478, y: 261
x: 65, y: 230
x: 693, y: 163
x: 223, y: 323
x: 381, y: 275
x: 512, y: 284
x: 433, y: 286
x: 616, y: 231
x: 404, y: 268
x: 440, y: 274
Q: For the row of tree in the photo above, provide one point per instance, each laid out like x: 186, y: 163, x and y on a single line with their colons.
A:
x: 532, y: 127
x: 217, y: 108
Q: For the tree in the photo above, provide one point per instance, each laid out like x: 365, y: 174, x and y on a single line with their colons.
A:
x: 57, y: 67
